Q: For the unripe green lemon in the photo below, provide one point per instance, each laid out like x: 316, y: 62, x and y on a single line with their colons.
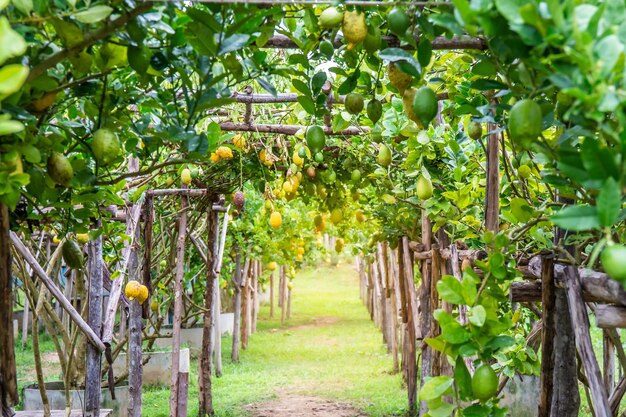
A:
x: 474, y: 130
x: 384, y: 156
x: 407, y: 103
x: 424, y: 188
x: 374, y: 110
x: 355, y: 176
x: 484, y: 383
x: 398, y: 21
x: 105, y: 146
x: 315, y: 138
x: 373, y: 41
x: 327, y: 49
x: 614, y: 262
x: 525, y: 122
x: 330, y: 18
x: 425, y: 105
x: 354, y: 103
x: 336, y: 216
x: 60, y: 169
x: 72, y: 255
x: 524, y: 171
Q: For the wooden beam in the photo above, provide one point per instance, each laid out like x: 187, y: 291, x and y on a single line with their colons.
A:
x: 287, y: 129
x: 56, y: 292
x: 492, y: 207
x: 547, y: 337
x: 609, y: 316
x: 580, y: 320
x: 93, y: 376
x: 245, y: 98
x: 439, y: 43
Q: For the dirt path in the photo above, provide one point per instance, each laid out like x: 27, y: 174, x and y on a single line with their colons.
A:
x: 301, y: 406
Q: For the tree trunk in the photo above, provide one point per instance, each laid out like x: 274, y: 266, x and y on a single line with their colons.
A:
x: 135, y: 357
x: 426, y: 317
x: 272, y: 295
x: 8, y: 376
x: 244, y: 305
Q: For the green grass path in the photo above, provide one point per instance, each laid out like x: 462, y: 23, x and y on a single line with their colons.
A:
x: 329, y: 348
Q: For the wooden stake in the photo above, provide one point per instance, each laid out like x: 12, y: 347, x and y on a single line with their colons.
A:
x: 178, y: 305
x: 234, y: 354
x: 8, y: 375
x: 272, y: 295
x: 580, y: 319
x: 406, y: 274
x: 205, y: 384
x: 135, y: 327
x: 492, y: 209
x: 547, y: 336
x: 93, y: 378
x: 148, y: 210
x: 426, y: 318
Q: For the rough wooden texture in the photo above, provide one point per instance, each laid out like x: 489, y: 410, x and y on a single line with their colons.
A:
x: 237, y: 278
x: 213, y: 318
x: 56, y: 292
x: 608, y: 316
x: 93, y: 378
x: 547, y: 337
x: 283, y: 295
x: 135, y: 354
x: 580, y: 319
x: 617, y: 395
x: 204, y: 372
x: 287, y: 129
x: 608, y: 362
x: 148, y: 210
x: 492, y: 209
x: 410, y: 354
x: 439, y: 43
x: 426, y: 318
x: 435, y: 329
x: 178, y: 303
x: 183, y: 391
x: 243, y: 332
x: 272, y: 295
x: 8, y: 376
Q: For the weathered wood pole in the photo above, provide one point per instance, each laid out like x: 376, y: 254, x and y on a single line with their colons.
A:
x: 148, y: 210
x: 608, y: 361
x: 135, y: 325
x: 405, y: 266
x: 492, y: 208
x: 8, y: 375
x: 204, y: 373
x: 426, y: 318
x: 282, y: 299
x: 178, y: 305
x: 272, y: 295
x: 244, y: 304
x: 580, y: 319
x: 255, y: 296
x: 237, y: 278
x: 547, y: 336
x: 93, y: 377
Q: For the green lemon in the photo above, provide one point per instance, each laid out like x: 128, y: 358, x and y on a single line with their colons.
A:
x: 384, y: 156
x: 60, y: 169
x: 424, y: 188
x: 72, y: 255
x: 407, y: 102
x: 425, y: 105
x: 614, y: 262
x: 484, y: 383
x: 105, y: 146
x: 374, y: 110
x: 355, y: 176
x: 373, y: 41
x: 336, y: 216
x: 474, y: 130
x: 524, y: 171
x: 525, y: 122
x: 354, y: 103
x: 330, y: 18
x: 315, y: 138
x: 398, y: 21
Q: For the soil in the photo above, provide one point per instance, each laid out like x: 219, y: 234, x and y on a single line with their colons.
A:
x: 302, y: 406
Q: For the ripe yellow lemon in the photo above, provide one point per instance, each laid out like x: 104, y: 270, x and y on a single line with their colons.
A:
x: 354, y: 28
x: 276, y: 220
x: 185, y: 176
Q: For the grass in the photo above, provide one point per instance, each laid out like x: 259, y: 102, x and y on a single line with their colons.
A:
x: 342, y: 359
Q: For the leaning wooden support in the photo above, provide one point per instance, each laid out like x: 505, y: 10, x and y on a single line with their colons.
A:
x: 56, y: 292
x: 406, y: 275
x: 492, y: 208
x: 609, y: 316
x: 426, y: 318
x: 547, y: 337
x: 580, y: 319
x: 135, y: 329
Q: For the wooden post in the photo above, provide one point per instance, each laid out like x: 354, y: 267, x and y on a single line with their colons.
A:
x: 272, y: 294
x: 405, y: 267
x: 148, y: 211
x: 435, y: 329
x: 280, y: 287
x: 244, y: 304
x: 25, y: 321
x: 426, y: 318
x: 135, y: 357
x: 178, y: 304
x: 492, y: 209
x: 254, y: 284
x: 93, y: 377
x: 213, y: 226
x: 8, y: 375
x: 547, y: 336
x: 283, y: 293
x: 608, y: 361
x: 288, y: 303
x: 234, y: 354
x: 580, y: 319
x: 204, y: 372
